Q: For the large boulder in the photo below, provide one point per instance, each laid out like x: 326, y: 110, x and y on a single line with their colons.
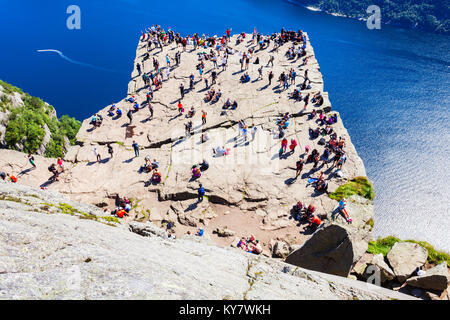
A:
x: 405, y: 257
x: 435, y: 278
x: 336, y: 246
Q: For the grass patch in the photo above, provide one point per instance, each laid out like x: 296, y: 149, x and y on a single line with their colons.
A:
x: 384, y: 245
x: 370, y: 223
x: 360, y: 186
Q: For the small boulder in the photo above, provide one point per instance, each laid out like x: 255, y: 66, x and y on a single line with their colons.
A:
x: 280, y: 250
x: 405, y: 257
x: 435, y: 278
x: 224, y: 232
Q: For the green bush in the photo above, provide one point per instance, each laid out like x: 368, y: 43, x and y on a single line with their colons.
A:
x: 26, y: 125
x: 359, y: 185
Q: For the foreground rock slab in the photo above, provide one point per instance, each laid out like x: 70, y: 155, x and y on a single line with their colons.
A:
x: 61, y: 256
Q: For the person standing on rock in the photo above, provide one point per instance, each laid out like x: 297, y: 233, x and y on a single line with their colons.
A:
x: 260, y: 76
x: 130, y: 115
x: 167, y: 61
x: 201, y: 193
x: 135, y: 148
x: 254, y: 129
x: 203, y: 117
x: 224, y: 63
x: 270, y: 61
x: 299, y: 167
x: 138, y: 67
x: 97, y: 155
x: 182, y: 91
x: 31, y: 160
x: 150, y: 108
x: 110, y: 150
x: 270, y: 77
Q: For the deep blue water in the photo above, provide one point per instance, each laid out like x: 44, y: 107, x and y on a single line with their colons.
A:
x: 391, y: 86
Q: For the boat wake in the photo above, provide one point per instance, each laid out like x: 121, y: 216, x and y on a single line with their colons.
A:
x: 74, y: 61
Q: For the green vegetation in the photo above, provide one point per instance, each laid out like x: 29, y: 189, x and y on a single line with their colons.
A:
x: 384, y: 245
x: 429, y: 15
x: 359, y: 185
x: 26, y: 125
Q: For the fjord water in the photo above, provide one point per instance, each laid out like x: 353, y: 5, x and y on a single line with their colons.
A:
x: 391, y: 86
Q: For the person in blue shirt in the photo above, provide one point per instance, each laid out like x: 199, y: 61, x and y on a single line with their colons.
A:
x: 201, y: 193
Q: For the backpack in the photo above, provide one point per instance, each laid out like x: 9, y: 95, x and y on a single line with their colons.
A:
x: 201, y: 191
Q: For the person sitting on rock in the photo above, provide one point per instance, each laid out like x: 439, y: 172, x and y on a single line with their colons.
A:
x: 234, y: 105
x: 297, y: 210
x: 227, y: 104
x: 191, y: 112
x: 196, y: 172
x: 204, y: 165
x: 242, y: 244
x: 310, y: 210
x: 118, y: 112
x: 314, y: 221
x: 244, y: 78
x: 156, y: 176
x: 210, y: 95
x: 217, y: 96
x: 111, y: 110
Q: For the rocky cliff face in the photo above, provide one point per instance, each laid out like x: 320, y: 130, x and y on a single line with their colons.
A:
x: 54, y: 248
x: 249, y: 191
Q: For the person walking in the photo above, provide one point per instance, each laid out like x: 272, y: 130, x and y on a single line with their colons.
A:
x: 136, y: 148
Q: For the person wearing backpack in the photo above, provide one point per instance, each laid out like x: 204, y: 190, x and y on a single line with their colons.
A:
x: 201, y: 193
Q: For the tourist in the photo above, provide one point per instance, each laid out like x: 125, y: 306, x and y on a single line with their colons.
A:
x: 299, y: 167
x: 130, y: 115
x: 203, y: 117
x: 110, y: 150
x: 31, y: 160
x: 343, y: 210
x: 135, y: 148
x: 97, y: 154
x: 60, y: 164
x: 201, y: 193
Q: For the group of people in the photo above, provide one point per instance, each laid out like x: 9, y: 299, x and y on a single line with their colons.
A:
x: 301, y: 212
x: 123, y: 207
x: 250, y: 244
